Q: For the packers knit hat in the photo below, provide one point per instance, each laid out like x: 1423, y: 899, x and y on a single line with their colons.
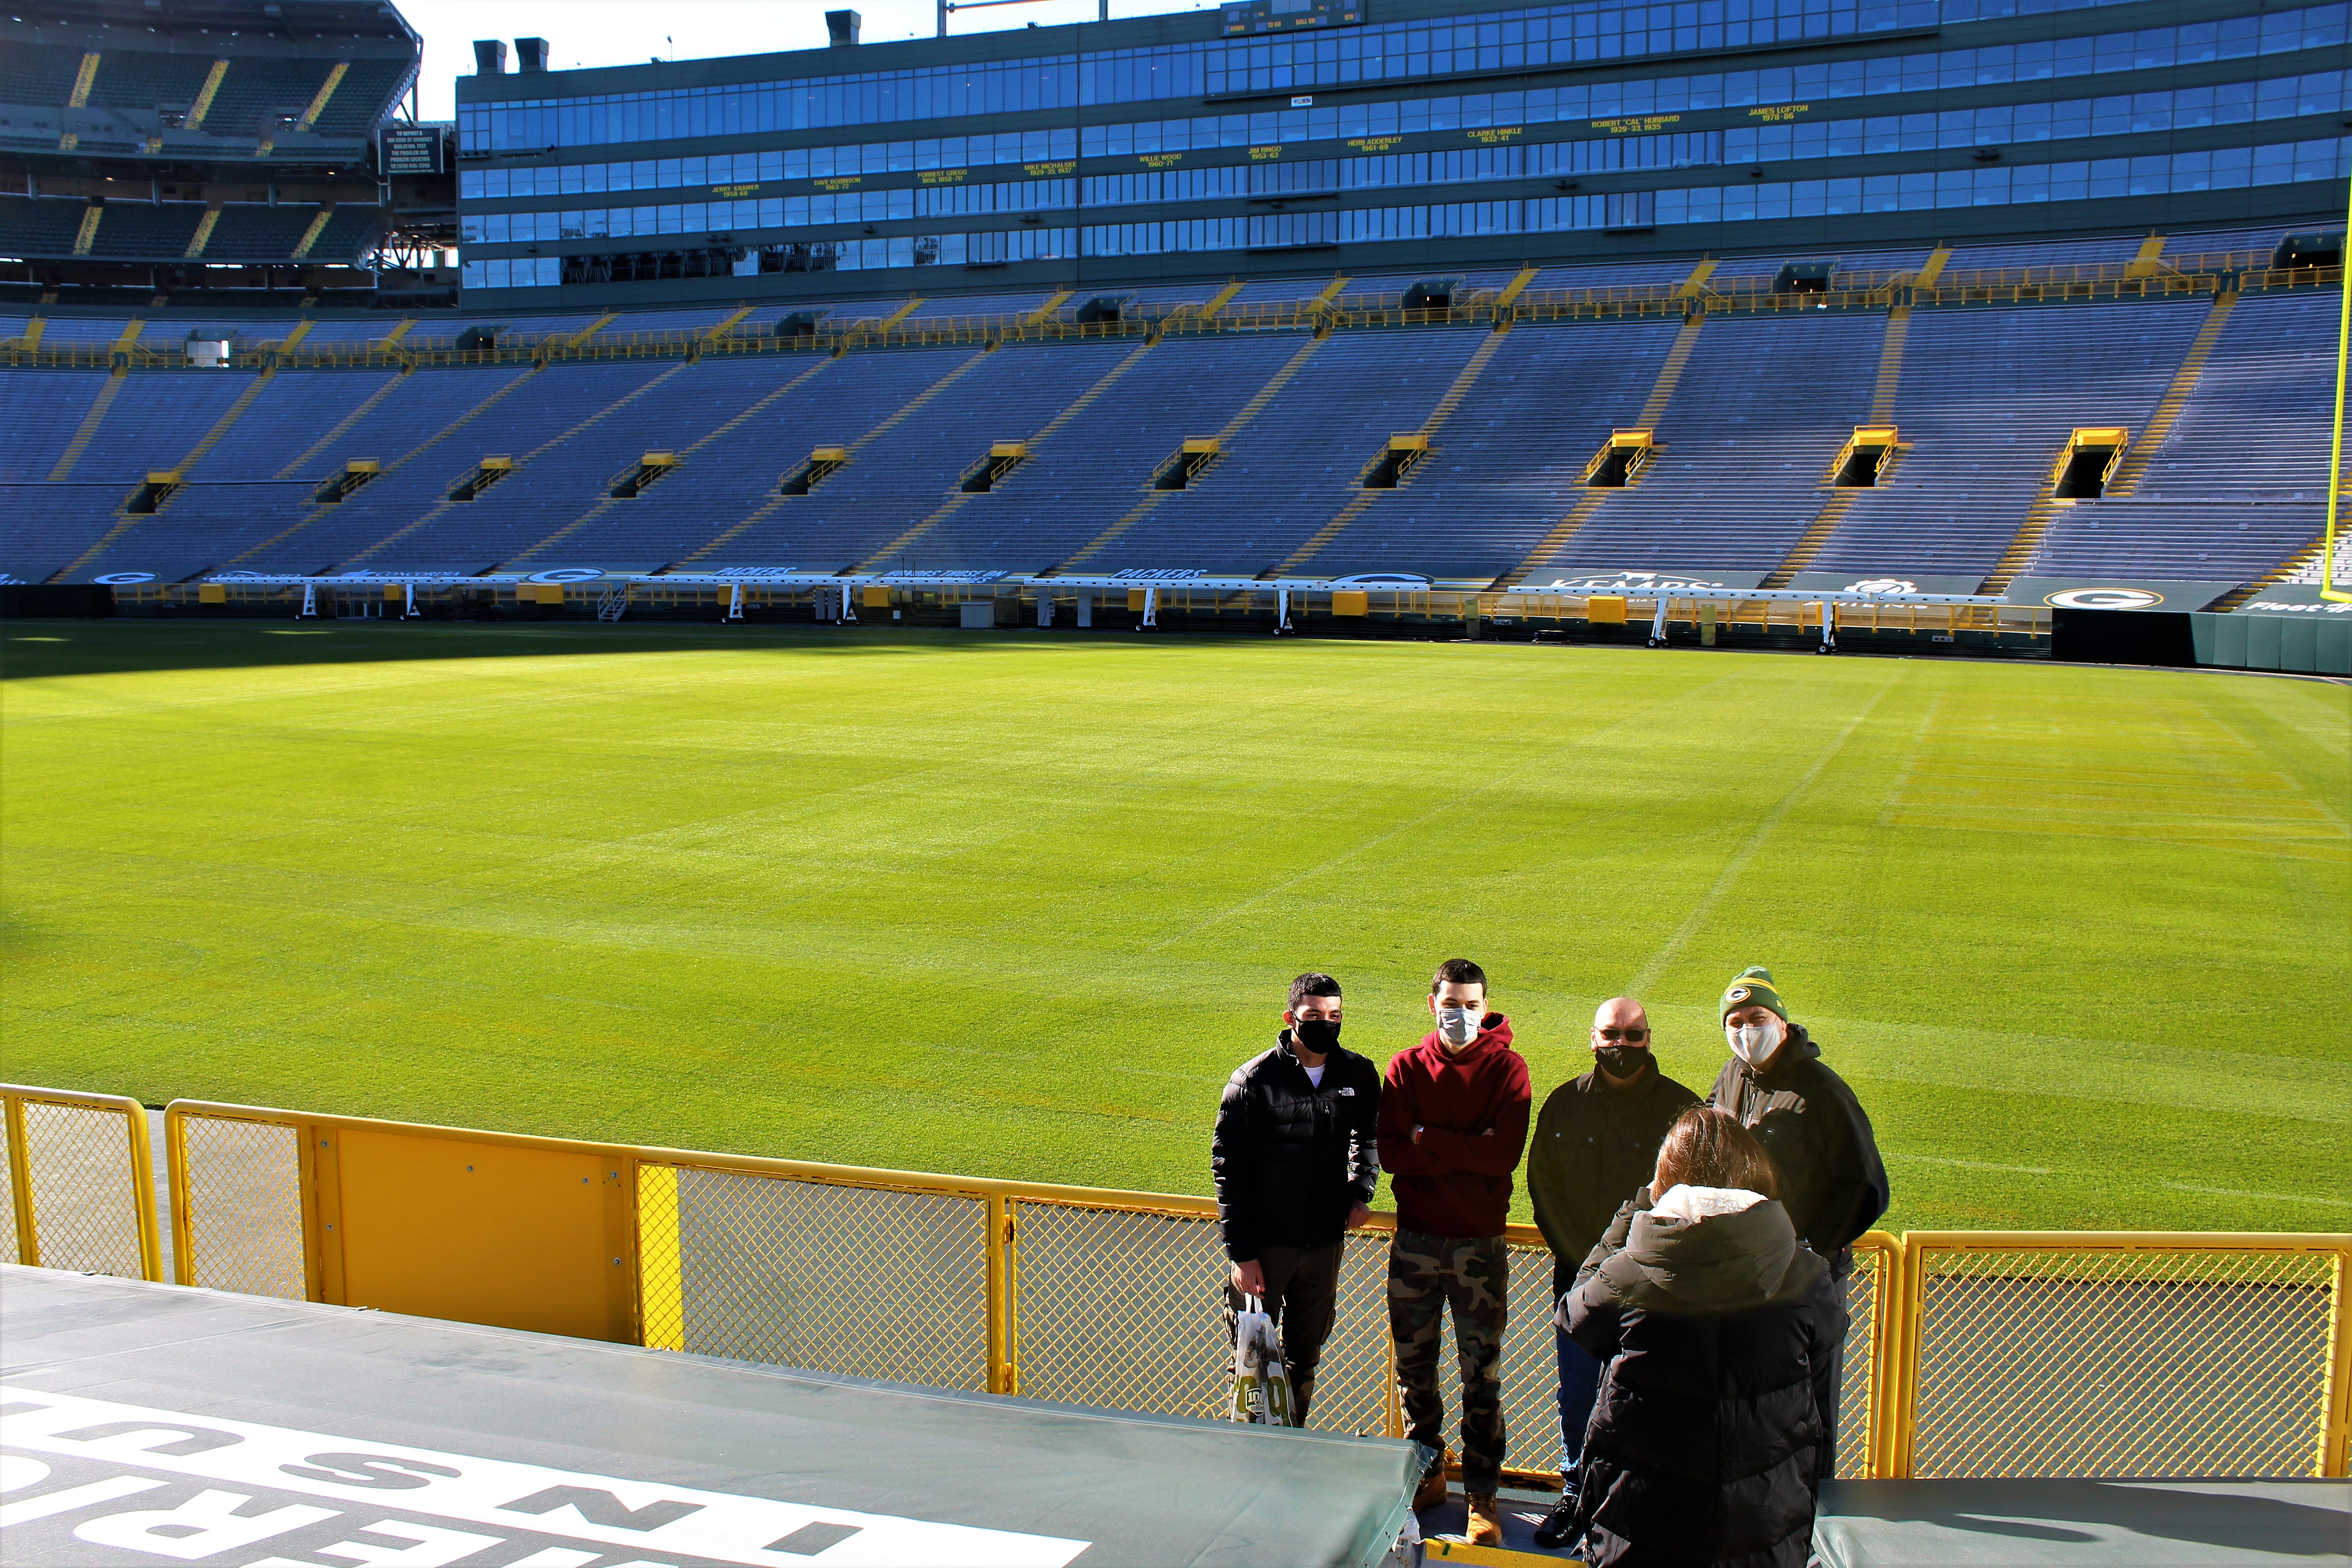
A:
x: 1753, y: 988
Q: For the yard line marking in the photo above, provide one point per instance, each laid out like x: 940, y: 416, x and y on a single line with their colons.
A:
x: 1969, y: 1164
x: 1706, y: 906
x: 2274, y: 1197
x: 1451, y: 803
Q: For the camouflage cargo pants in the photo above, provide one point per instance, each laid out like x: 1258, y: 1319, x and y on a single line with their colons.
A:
x: 1426, y: 1274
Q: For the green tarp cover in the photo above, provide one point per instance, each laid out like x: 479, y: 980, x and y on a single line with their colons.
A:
x: 2083, y: 1523
x: 147, y: 1423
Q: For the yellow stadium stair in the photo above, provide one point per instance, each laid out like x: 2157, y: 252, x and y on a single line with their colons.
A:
x: 1224, y: 296
x: 310, y: 235
x: 2285, y: 571
x: 1692, y: 286
x: 78, y: 99
x: 2150, y: 260
x: 203, y: 234
x: 603, y: 504
x: 1817, y: 533
x: 2142, y: 452
x: 1881, y: 412
x: 1362, y: 501
x: 33, y: 329
x: 1234, y: 427
x: 204, y: 95
x: 1934, y: 269
x: 323, y: 509
x: 726, y: 326
x: 1662, y: 393
x: 367, y: 406
x: 2045, y: 510
x: 319, y: 103
x: 87, y: 428
x: 760, y: 513
x: 1045, y: 313
x: 947, y: 508
x: 592, y: 328
x: 443, y: 505
x: 1517, y: 286
x: 125, y: 522
x: 87, y: 235
x: 2028, y: 539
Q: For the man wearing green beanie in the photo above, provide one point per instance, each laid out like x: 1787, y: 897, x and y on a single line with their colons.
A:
x: 1833, y: 1182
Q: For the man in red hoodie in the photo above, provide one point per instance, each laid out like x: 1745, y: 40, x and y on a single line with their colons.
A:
x: 1453, y: 1124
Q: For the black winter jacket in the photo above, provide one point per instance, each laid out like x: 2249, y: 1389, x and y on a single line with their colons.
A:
x: 1831, y: 1178
x: 1290, y: 1159
x: 1594, y: 1145
x: 1706, y: 1443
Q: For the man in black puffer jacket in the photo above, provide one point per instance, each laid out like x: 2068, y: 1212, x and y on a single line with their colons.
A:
x: 1294, y: 1157
x: 1720, y: 1329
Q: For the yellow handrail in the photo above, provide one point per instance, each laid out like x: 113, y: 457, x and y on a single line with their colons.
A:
x: 24, y: 1182
x: 1940, y: 1304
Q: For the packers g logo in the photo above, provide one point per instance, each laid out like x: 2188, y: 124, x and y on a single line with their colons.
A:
x: 1740, y: 994
x: 2106, y: 599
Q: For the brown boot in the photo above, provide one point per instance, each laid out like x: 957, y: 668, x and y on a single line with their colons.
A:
x: 1486, y: 1527
x: 1431, y: 1491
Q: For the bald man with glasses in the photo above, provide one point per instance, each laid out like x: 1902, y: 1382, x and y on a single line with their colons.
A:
x: 1595, y: 1144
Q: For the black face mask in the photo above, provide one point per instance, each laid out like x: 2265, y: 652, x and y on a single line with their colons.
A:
x: 1315, y: 1035
x: 1621, y: 1061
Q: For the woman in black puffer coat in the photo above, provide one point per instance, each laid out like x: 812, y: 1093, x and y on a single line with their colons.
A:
x: 1716, y: 1325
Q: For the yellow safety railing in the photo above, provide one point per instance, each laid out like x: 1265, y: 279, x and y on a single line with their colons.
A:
x: 1969, y: 1354
x: 81, y: 1182
x: 2053, y: 1352
x: 1867, y: 291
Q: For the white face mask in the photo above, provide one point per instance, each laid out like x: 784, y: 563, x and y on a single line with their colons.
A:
x: 1459, y: 1025
x: 1752, y: 1043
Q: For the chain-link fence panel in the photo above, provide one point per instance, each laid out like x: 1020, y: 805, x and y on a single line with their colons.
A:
x: 1122, y: 1308
x: 1530, y: 1371
x: 1351, y: 1379
x: 1865, y: 1297
x: 85, y: 1188
x: 243, y: 1206
x: 1127, y: 1310
x: 863, y: 1281
x: 2120, y: 1362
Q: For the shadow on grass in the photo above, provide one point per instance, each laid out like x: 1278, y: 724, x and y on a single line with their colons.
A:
x: 32, y: 649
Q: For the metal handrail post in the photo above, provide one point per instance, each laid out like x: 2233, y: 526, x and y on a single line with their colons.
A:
x: 20, y: 1187
x: 1004, y: 1376
x: 2335, y: 1431
x: 143, y: 1197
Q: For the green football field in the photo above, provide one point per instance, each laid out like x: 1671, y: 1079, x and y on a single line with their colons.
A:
x: 1016, y: 904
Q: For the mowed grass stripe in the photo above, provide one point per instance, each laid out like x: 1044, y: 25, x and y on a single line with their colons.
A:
x: 1016, y: 904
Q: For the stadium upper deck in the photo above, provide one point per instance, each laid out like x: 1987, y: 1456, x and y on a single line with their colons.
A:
x: 1427, y: 133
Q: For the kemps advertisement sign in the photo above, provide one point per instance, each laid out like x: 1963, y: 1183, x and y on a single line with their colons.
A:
x: 1639, y: 585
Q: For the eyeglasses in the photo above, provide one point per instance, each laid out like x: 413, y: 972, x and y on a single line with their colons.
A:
x: 1635, y: 1035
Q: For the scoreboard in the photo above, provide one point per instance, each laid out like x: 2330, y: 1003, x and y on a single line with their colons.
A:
x: 1242, y: 16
